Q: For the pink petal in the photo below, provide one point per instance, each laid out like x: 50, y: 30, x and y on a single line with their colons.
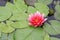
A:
x: 37, y: 16
x: 45, y: 19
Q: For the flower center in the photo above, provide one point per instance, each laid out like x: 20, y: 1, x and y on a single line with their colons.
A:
x: 36, y: 20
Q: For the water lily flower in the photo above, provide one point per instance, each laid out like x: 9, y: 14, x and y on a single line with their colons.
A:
x: 36, y: 19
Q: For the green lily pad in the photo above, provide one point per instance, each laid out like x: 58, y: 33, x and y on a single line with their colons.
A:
x: 4, y: 13
x: 57, y: 8
x: 30, y: 34
x: 45, y: 1
x: 52, y: 38
x: 20, y: 4
x: 31, y: 9
x: 10, y: 36
x: 53, y: 28
x: 46, y: 37
x: 26, y: 34
x: 0, y: 34
x: 21, y: 20
x: 7, y: 36
x: 12, y: 8
x: 20, y: 24
x: 42, y: 8
x: 6, y: 28
x: 3, y: 36
x: 57, y: 14
x: 19, y: 16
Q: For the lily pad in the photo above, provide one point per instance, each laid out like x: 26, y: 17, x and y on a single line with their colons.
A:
x: 31, y: 9
x: 3, y: 37
x: 19, y: 16
x: 45, y: 1
x: 53, y: 28
x: 21, y: 20
x: 6, y: 28
x: 57, y: 14
x: 10, y: 36
x: 46, y: 37
x: 20, y: 24
x: 4, y: 13
x: 0, y: 34
x: 42, y: 8
x: 7, y: 36
x: 20, y: 4
x: 52, y: 38
x: 30, y: 34
x: 12, y: 8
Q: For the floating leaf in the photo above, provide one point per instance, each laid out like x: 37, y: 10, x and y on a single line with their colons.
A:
x: 12, y: 8
x: 46, y: 37
x: 53, y: 28
x: 4, y: 13
x: 20, y: 4
x: 29, y: 34
x: 31, y: 9
x: 19, y: 16
x: 6, y: 28
x: 21, y: 20
x: 57, y: 8
x: 42, y: 8
x: 11, y: 36
x: 52, y: 38
x: 0, y: 34
x: 45, y: 1
x: 20, y: 24
x: 7, y: 36
x: 4, y: 37
x: 57, y: 14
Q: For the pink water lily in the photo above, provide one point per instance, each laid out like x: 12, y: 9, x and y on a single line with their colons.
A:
x: 36, y: 19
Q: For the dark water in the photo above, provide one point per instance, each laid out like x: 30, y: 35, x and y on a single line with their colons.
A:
x: 3, y: 2
x: 50, y: 17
